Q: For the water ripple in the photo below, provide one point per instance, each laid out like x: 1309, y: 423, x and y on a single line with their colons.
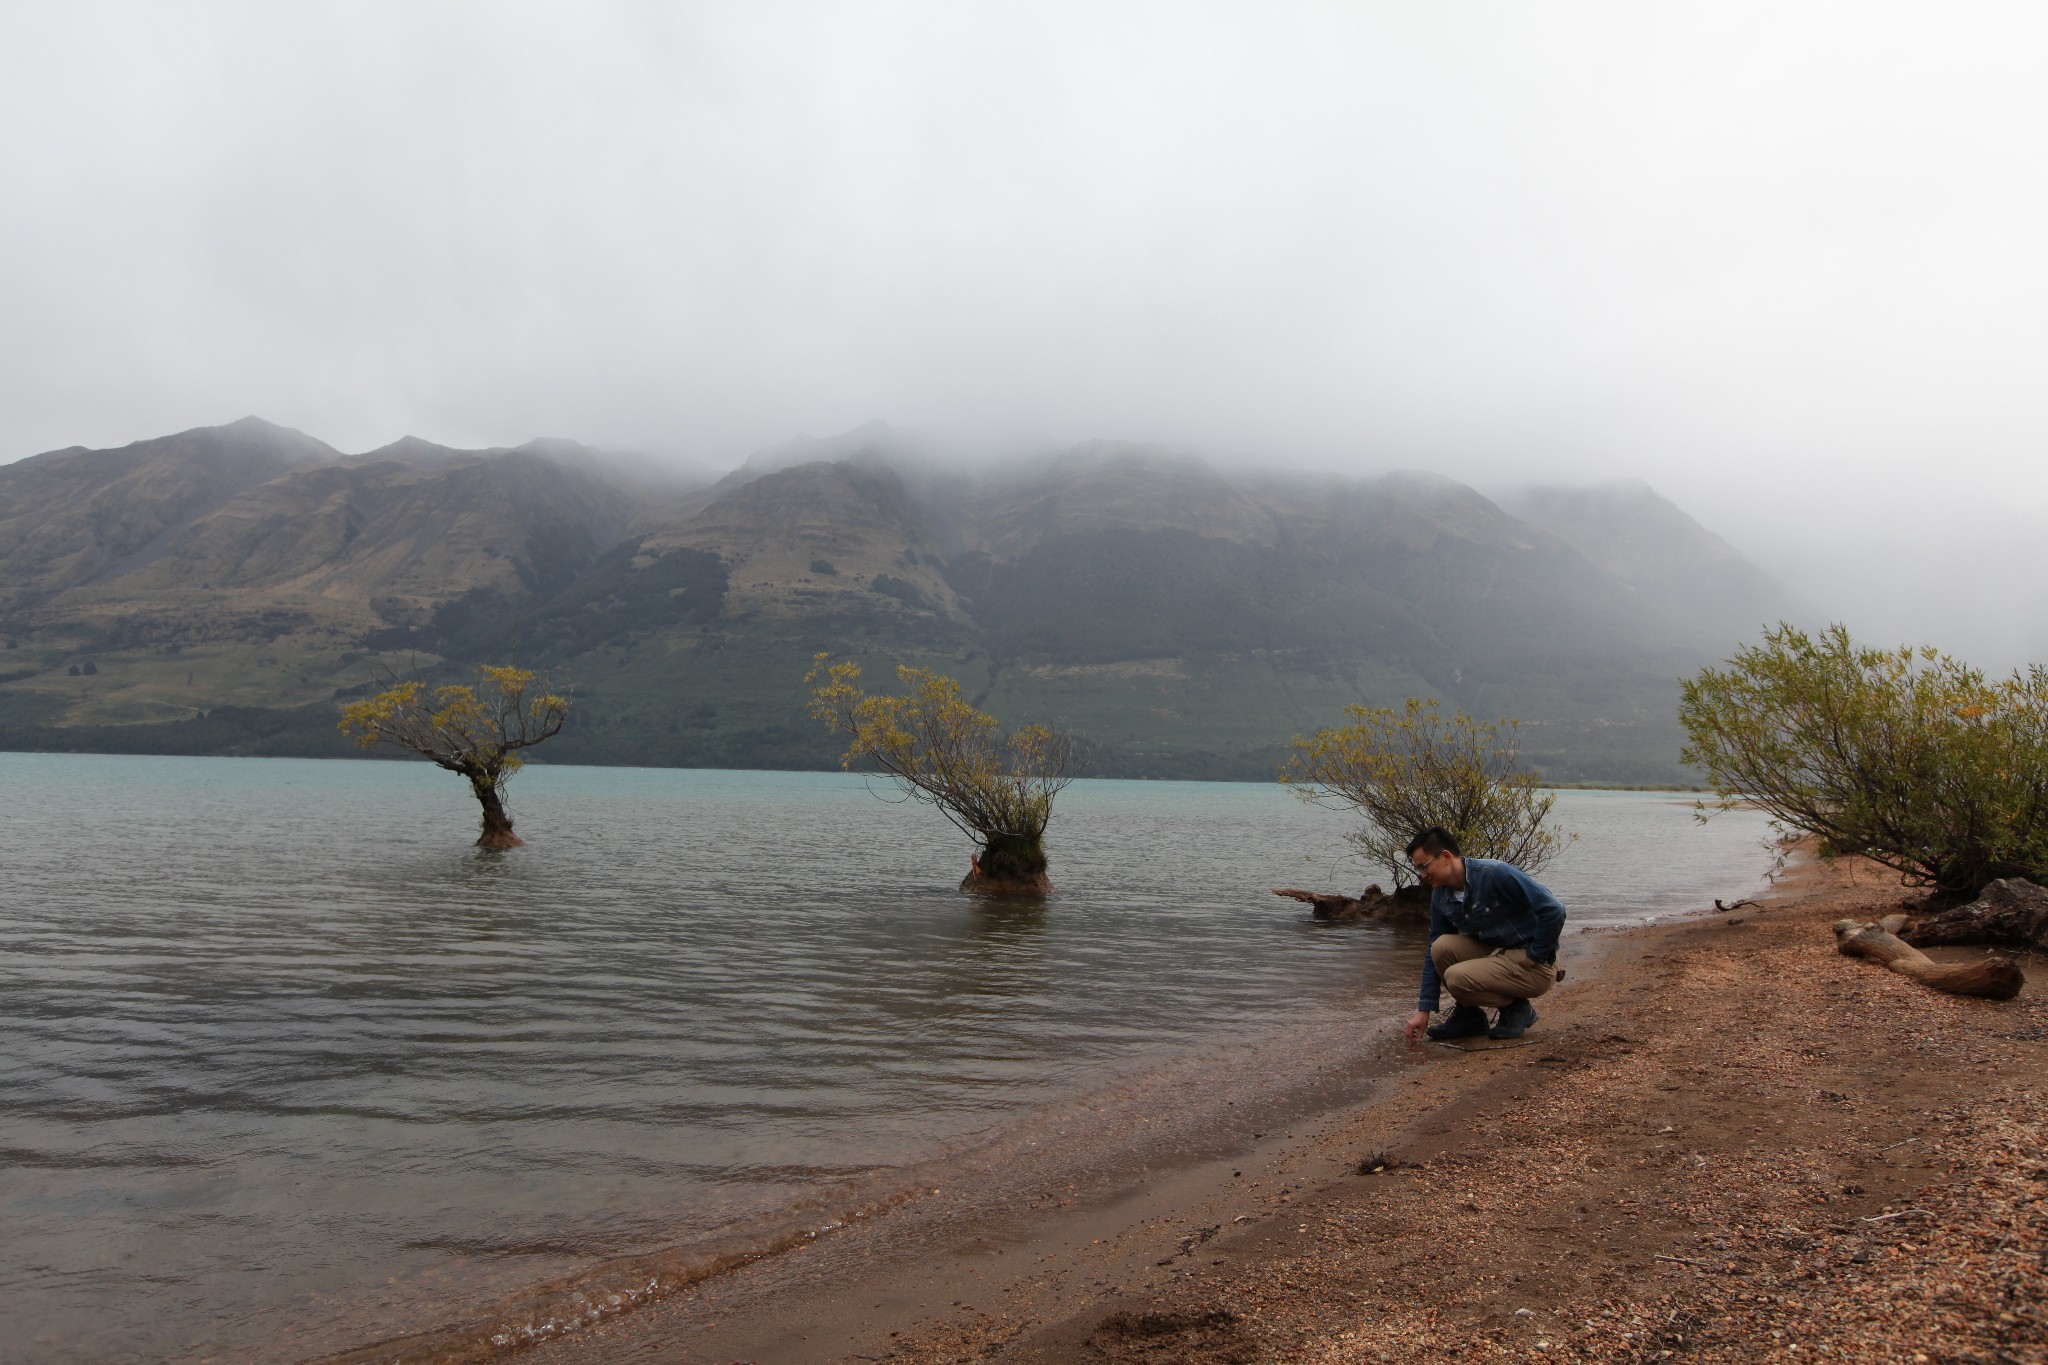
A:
x: 286, y: 1061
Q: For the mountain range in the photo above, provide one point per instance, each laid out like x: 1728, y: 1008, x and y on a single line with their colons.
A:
x: 221, y: 590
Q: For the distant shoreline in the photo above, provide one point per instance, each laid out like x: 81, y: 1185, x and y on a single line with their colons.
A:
x: 541, y: 760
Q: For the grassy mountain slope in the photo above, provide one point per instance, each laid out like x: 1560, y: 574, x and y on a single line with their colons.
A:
x: 71, y: 517
x: 1184, y: 622
x: 248, y: 566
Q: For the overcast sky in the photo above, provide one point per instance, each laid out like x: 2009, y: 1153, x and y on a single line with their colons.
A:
x: 1788, y: 263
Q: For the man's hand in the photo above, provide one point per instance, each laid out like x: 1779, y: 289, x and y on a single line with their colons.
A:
x: 1417, y: 1022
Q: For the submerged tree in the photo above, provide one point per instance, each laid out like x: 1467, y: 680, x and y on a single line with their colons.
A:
x: 1905, y: 756
x: 943, y: 751
x: 1405, y: 770
x: 476, y: 731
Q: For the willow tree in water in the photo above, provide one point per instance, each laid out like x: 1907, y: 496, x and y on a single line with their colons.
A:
x: 944, y: 752
x: 476, y: 731
x: 1408, y: 769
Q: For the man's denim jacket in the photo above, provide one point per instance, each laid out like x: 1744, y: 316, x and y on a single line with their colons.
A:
x: 1504, y: 907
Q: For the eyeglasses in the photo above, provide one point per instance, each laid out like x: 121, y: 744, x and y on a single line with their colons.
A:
x: 1422, y: 863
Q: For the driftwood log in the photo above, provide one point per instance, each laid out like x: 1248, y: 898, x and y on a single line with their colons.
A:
x: 1371, y: 903
x: 2010, y: 913
x: 1993, y: 978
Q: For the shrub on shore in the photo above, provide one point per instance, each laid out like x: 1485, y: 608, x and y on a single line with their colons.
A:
x: 1905, y: 756
x: 1406, y: 769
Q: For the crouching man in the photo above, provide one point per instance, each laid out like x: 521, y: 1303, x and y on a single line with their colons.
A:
x: 1492, y: 941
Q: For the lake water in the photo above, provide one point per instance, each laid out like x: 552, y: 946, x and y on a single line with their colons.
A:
x: 286, y: 1067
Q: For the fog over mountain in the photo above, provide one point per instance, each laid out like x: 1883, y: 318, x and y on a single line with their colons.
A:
x: 1780, y: 263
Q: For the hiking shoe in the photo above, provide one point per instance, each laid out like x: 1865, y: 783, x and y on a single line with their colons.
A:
x: 1466, y: 1021
x: 1514, y: 1020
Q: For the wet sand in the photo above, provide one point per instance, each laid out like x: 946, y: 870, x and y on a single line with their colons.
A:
x: 1722, y: 1141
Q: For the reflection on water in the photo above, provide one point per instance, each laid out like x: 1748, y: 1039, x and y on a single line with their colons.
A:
x: 288, y: 1065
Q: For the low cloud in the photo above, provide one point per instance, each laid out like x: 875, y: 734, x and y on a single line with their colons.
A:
x: 1781, y: 263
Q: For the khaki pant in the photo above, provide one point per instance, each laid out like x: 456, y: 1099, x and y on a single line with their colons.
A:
x: 1475, y: 974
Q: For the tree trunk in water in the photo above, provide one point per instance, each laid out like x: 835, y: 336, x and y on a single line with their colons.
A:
x: 1994, y: 978
x: 1410, y: 904
x: 497, y: 831
x: 1009, y: 865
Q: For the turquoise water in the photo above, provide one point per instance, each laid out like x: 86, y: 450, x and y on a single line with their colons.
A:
x: 289, y: 1067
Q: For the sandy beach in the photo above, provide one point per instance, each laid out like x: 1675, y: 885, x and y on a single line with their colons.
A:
x: 1721, y: 1142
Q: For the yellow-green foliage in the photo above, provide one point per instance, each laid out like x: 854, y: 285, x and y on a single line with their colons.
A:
x: 1906, y: 756
x: 1407, y: 769
x: 945, y: 752
x: 473, y: 730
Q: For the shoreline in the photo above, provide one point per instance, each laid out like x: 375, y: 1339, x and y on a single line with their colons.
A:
x: 351, y: 1073
x: 1017, y: 1188
x: 1734, y: 1176
x: 1156, y: 1122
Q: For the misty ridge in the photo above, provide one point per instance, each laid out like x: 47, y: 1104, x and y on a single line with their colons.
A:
x: 227, y: 585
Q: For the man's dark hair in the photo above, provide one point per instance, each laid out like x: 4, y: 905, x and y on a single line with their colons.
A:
x: 1434, y: 839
